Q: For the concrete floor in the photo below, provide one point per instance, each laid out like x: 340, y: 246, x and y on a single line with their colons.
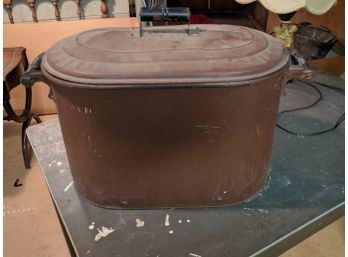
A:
x: 31, y: 227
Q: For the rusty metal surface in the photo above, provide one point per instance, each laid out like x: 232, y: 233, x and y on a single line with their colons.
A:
x: 115, y: 56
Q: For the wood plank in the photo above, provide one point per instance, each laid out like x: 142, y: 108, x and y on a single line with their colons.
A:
x: 334, y: 65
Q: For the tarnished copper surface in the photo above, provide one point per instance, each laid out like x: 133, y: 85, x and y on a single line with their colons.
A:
x: 202, y: 139
x: 118, y: 56
x: 180, y: 147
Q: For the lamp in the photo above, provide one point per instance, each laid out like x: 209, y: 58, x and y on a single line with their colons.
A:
x: 286, y: 9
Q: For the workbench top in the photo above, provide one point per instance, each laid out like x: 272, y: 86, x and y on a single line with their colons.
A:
x: 305, y: 193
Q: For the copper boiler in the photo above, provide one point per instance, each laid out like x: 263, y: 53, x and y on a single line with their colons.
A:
x: 170, y: 117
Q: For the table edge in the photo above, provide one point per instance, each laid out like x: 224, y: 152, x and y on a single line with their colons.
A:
x: 301, y: 233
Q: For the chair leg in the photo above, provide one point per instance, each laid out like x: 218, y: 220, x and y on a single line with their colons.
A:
x: 25, y: 144
x: 26, y: 147
x: 25, y: 119
x: 36, y: 118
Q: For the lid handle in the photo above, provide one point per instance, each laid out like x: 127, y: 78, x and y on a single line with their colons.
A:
x: 172, y: 14
x: 165, y: 14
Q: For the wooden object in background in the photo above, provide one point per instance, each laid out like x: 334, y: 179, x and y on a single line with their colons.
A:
x: 8, y: 8
x: 260, y: 15
x: 56, y: 10
x: 79, y: 11
x: 104, y: 9
x: 211, y: 6
x: 31, y: 4
x: 334, y: 65
x: 15, y: 63
x: 228, y: 12
x: 101, y: 8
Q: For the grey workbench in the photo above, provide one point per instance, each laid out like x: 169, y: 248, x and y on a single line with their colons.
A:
x: 304, y: 194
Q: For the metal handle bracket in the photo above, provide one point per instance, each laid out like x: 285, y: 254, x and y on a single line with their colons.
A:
x: 172, y: 14
x: 33, y: 74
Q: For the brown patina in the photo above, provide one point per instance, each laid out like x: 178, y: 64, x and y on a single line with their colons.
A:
x: 167, y: 119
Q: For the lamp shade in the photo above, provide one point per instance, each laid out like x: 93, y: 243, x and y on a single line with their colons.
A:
x: 317, y: 7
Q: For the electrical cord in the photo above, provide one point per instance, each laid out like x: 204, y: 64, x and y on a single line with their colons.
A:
x: 317, y: 100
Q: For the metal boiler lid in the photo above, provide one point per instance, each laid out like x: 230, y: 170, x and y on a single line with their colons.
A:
x: 211, y: 53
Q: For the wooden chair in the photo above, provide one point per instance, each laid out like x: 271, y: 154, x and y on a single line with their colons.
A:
x: 15, y: 63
